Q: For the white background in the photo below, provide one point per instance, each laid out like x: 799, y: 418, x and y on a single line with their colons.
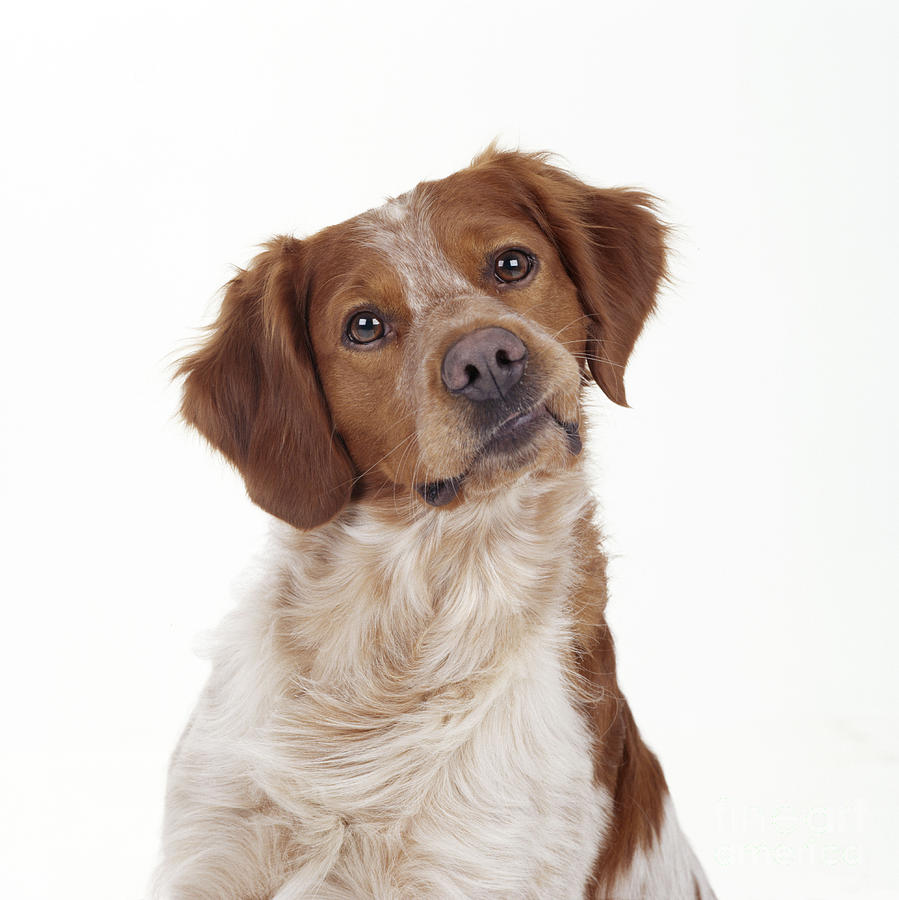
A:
x: 749, y: 495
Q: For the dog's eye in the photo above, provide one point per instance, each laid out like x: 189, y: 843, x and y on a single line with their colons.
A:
x: 513, y: 265
x: 365, y: 328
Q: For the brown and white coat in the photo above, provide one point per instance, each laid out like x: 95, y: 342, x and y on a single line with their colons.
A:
x: 418, y: 696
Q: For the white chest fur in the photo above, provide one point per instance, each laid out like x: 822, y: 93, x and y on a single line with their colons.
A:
x: 389, y: 716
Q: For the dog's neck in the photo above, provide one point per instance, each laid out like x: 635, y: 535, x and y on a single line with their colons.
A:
x: 432, y: 598
x: 393, y: 647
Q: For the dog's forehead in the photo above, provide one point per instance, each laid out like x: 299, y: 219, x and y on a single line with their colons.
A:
x: 401, y: 232
x: 426, y: 246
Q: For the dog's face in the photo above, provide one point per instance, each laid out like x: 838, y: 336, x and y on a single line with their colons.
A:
x: 434, y: 348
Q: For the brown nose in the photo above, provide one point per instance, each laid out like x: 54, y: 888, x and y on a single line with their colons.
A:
x: 485, y: 364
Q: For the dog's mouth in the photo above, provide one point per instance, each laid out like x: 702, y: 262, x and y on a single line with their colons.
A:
x: 510, y: 435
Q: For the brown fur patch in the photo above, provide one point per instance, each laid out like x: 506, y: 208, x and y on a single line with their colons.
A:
x: 622, y: 762
x: 252, y: 391
x: 612, y: 244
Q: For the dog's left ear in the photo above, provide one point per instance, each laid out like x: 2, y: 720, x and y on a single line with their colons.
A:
x: 619, y: 279
x: 612, y: 245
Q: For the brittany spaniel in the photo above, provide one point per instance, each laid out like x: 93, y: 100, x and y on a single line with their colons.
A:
x: 418, y: 698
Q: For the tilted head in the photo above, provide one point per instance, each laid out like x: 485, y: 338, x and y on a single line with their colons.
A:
x: 437, y: 345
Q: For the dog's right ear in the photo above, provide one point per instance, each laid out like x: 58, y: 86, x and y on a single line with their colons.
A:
x: 253, y: 392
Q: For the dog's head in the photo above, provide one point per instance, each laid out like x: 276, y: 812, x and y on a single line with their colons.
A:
x: 436, y: 345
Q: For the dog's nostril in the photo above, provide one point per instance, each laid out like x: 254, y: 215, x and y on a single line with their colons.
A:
x: 472, y: 373
x: 502, y: 358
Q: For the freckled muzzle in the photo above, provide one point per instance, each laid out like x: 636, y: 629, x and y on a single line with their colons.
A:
x: 485, y: 371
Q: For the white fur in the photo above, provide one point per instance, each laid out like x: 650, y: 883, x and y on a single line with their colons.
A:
x: 401, y: 230
x: 388, y: 716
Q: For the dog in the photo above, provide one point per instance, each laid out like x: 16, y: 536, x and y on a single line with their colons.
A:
x: 418, y: 698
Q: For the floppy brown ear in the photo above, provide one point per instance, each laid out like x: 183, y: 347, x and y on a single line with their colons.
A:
x: 618, y: 289
x: 253, y: 392
x: 612, y: 245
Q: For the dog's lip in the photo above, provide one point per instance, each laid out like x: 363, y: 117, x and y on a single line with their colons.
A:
x: 439, y: 493
x: 573, y: 434
x: 507, y: 431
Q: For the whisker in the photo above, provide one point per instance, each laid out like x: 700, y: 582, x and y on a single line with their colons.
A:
x: 374, y: 465
x: 602, y: 359
x: 598, y: 340
x: 399, y: 468
x: 572, y: 322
